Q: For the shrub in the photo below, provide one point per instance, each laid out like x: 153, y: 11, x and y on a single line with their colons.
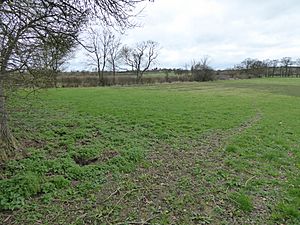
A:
x: 202, y: 72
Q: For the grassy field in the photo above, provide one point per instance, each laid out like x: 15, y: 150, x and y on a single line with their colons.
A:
x: 225, y: 152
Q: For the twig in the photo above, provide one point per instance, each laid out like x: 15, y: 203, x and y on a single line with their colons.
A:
x: 112, y: 194
x: 7, y: 218
x: 248, y: 181
x: 127, y: 193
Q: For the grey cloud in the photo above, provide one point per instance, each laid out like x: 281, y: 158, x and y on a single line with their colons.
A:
x: 227, y: 30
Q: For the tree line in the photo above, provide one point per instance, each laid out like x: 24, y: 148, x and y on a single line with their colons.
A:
x: 285, y: 67
x: 106, y: 53
x: 138, y: 65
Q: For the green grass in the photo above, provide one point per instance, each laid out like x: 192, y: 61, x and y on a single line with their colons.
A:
x: 224, y: 152
x: 242, y: 201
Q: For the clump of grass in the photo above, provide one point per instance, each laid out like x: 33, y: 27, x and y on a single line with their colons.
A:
x: 231, y: 148
x: 242, y: 201
x: 288, y: 210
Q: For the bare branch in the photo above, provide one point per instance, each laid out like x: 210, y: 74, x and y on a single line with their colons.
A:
x: 141, y: 57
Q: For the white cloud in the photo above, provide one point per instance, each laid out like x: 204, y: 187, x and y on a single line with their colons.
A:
x: 227, y: 30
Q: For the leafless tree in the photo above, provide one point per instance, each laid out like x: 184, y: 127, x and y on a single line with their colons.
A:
x: 114, y: 54
x: 141, y: 57
x: 98, y: 47
x: 274, y: 64
x: 286, y: 63
x: 247, y: 65
x: 25, y: 26
x: 254, y: 67
x: 267, y: 64
x: 258, y: 68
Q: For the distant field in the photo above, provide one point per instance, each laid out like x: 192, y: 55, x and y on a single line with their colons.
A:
x: 91, y: 79
x: 151, y: 73
x: 224, y: 152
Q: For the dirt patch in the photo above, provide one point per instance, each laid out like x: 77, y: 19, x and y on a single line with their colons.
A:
x: 107, y: 155
x: 32, y: 143
x: 104, y: 157
x: 83, y: 161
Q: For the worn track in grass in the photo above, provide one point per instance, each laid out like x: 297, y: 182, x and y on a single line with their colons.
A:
x: 174, y: 186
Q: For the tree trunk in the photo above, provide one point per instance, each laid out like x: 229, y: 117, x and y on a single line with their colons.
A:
x: 8, y: 144
x: 99, y: 75
x: 273, y: 72
x: 114, y: 75
x: 137, y: 76
x: 102, y: 78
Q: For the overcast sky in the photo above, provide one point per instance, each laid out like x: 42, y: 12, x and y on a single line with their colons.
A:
x: 226, y: 30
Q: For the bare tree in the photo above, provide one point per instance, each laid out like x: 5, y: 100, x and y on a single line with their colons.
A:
x: 24, y: 26
x: 254, y: 67
x: 98, y: 50
x: 286, y: 63
x: 247, y: 65
x: 114, y: 54
x: 258, y: 68
x: 274, y: 64
x: 267, y: 64
x: 141, y: 57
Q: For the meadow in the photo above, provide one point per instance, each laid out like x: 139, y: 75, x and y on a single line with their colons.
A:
x: 222, y: 152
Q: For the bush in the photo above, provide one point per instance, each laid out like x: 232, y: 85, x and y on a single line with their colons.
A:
x: 202, y: 72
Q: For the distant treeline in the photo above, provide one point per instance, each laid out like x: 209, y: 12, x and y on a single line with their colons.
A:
x: 199, y: 71
x: 285, y: 67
